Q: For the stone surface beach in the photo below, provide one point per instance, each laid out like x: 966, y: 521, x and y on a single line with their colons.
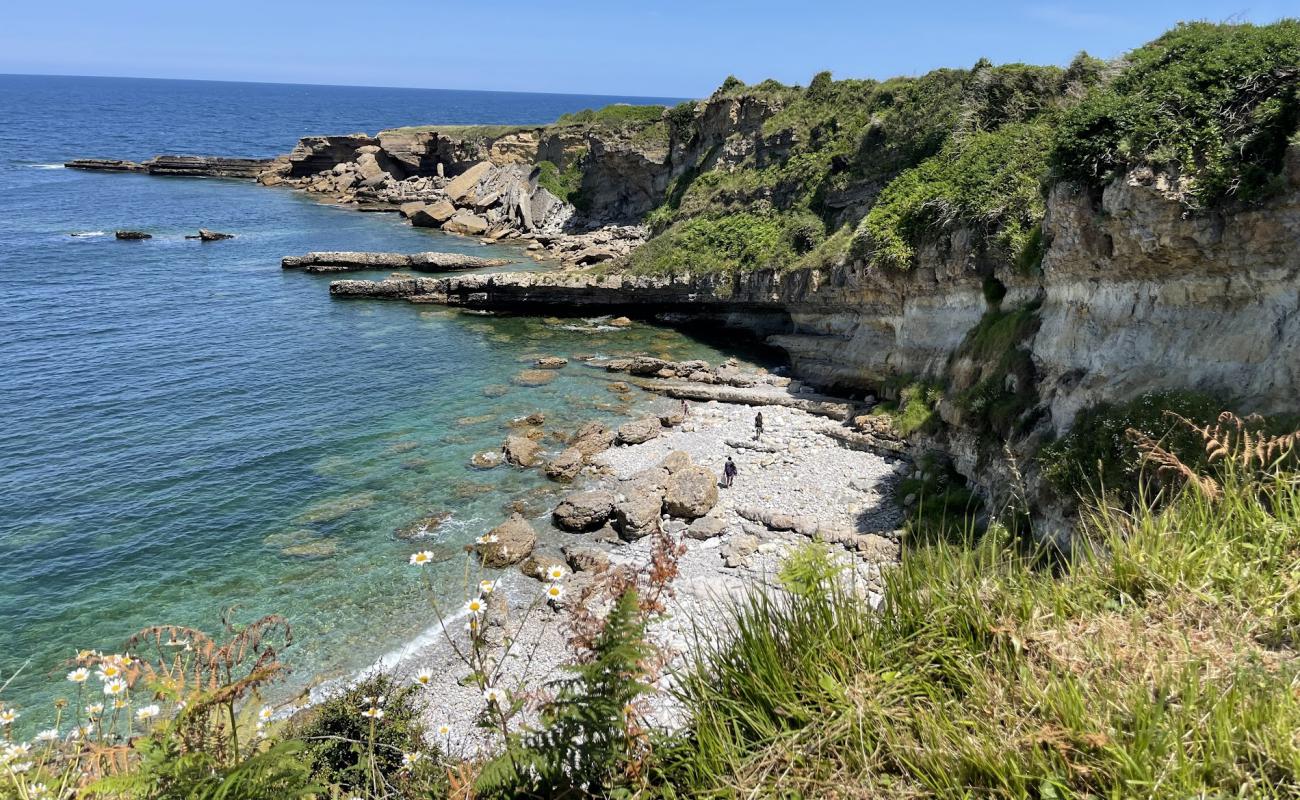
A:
x: 795, y: 483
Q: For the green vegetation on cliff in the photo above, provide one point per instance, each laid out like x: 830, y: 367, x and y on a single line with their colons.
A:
x: 876, y: 170
x: 1212, y: 104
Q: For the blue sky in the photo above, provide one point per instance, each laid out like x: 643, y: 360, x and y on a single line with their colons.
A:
x: 668, y: 48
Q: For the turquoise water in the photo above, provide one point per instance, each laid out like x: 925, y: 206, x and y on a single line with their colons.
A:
x: 186, y: 427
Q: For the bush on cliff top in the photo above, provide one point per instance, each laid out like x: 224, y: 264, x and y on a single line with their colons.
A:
x: 615, y: 115
x: 1211, y: 103
x: 988, y: 181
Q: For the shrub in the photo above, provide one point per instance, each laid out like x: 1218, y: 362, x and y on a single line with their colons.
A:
x: 338, y: 738
x: 728, y: 242
x: 1096, y: 457
x: 917, y: 408
x: 615, y: 115
x: 565, y: 184
x: 1210, y: 103
x: 989, y: 181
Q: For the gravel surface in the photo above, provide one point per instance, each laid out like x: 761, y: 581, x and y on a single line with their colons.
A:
x: 793, y: 468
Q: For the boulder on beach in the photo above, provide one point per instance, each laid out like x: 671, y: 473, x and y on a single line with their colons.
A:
x: 522, y: 451
x: 592, y: 438
x: 707, y: 527
x: 636, y: 514
x: 639, y: 430
x: 691, y: 492
x: 566, y: 466
x: 428, y: 215
x: 539, y: 565
x: 508, y: 543
x: 584, y: 511
x: 132, y: 235
x: 676, y: 460
x: 585, y: 559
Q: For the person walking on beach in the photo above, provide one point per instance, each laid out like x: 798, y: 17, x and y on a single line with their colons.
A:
x: 728, y: 472
x: 758, y: 425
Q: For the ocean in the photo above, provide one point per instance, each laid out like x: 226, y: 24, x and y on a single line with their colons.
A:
x: 189, y: 431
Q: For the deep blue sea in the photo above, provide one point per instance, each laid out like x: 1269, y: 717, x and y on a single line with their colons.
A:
x: 184, y: 427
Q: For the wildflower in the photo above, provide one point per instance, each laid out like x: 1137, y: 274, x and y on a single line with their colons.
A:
x: 421, y: 558
x: 37, y: 790
x: 424, y: 677
x: 261, y: 730
x: 494, y: 696
x: 409, y: 760
x: 108, y: 671
x: 556, y: 573
x: 14, y: 752
x: 475, y: 606
x: 119, y: 702
x: 84, y: 729
x: 79, y: 675
x: 114, y: 687
x: 146, y: 713
x: 95, y: 709
x: 554, y: 592
x: 47, y: 735
x: 486, y: 587
x: 8, y: 715
x: 444, y: 730
x: 487, y: 538
x: 373, y: 713
x: 21, y: 766
x: 264, y: 714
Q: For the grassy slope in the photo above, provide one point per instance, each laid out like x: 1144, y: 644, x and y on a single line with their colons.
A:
x: 1159, y: 665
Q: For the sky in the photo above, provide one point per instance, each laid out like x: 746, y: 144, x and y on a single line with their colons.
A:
x: 662, y: 48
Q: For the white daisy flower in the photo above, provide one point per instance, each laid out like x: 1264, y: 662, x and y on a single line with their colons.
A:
x: 554, y: 592
x: 487, y: 538
x: 409, y: 760
x: 265, y: 713
x: 79, y: 675
x: 114, y: 687
x: 494, y: 696
x: 444, y: 730
x: 486, y: 587
x: 108, y: 671
x: 47, y: 735
x: 556, y: 572
x: 373, y: 713
x: 421, y: 558
x: 14, y: 752
x: 119, y: 702
x: 95, y: 709
x: 424, y: 677
x: 475, y: 606
x: 8, y: 715
x: 35, y: 791
x: 21, y: 766
x: 147, y: 713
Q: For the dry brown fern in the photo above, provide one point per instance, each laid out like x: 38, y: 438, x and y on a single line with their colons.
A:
x: 1241, y: 442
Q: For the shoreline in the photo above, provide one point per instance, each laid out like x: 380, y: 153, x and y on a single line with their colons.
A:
x: 800, y: 471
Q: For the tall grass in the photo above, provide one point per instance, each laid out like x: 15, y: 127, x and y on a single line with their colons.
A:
x: 1159, y: 663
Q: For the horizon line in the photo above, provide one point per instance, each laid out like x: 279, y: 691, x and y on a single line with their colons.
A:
x: 339, y: 85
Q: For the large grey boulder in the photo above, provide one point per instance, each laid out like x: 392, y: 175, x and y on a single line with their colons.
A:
x: 508, y: 543
x: 584, y: 511
x: 466, y: 223
x: 639, y: 430
x: 428, y: 215
x: 460, y: 187
x: 636, y: 513
x: 691, y: 492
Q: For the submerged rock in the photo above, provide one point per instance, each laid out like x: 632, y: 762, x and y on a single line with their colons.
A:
x: 535, y: 377
x: 132, y: 235
x: 551, y: 362
x: 206, y: 235
x: 422, y: 527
